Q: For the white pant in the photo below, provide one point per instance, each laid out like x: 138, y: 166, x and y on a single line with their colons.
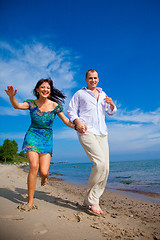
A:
x: 97, y: 151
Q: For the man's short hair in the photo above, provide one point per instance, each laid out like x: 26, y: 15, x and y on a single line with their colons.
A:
x: 90, y: 70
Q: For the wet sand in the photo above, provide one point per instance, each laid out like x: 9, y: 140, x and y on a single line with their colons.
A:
x: 60, y: 214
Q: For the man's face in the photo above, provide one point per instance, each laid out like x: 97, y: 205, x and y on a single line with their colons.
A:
x: 92, y: 80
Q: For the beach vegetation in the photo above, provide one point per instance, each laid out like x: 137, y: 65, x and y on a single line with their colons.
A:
x: 22, y: 154
x: 8, y: 152
x: 126, y: 182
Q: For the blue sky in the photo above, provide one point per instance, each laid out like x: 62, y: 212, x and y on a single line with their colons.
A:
x: 62, y: 40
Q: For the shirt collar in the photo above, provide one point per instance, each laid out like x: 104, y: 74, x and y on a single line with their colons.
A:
x: 88, y: 90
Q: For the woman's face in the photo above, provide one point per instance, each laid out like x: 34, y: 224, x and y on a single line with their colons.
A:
x: 44, y: 90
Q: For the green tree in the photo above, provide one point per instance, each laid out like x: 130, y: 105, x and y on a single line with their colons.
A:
x: 22, y: 154
x: 1, y: 152
x: 8, y: 150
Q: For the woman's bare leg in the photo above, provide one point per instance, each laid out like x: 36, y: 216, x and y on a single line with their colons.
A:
x: 33, y: 158
x: 44, y: 162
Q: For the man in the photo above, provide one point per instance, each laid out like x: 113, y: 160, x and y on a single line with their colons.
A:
x: 87, y: 110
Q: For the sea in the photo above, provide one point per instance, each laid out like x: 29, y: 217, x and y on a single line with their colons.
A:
x: 131, y: 176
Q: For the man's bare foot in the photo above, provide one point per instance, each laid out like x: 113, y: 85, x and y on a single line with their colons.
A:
x: 43, y: 181
x: 96, y: 209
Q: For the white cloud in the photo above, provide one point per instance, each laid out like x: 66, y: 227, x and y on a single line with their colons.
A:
x: 66, y: 133
x: 134, y: 138
x: 138, y: 116
x: 10, y: 111
x: 12, y: 135
x: 24, y: 65
x: 135, y: 131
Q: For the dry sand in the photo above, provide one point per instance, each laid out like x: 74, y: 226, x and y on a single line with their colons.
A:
x: 60, y: 215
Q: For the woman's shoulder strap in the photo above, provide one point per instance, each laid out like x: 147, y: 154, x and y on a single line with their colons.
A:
x: 31, y: 103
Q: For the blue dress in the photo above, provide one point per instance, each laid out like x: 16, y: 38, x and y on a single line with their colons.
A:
x: 39, y: 136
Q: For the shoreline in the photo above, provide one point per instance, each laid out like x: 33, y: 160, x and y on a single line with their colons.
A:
x: 122, y: 178
x: 142, y: 195
x: 148, y: 196
x: 60, y: 214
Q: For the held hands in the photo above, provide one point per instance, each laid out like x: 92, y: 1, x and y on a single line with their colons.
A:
x: 80, y: 127
x: 10, y: 91
x: 109, y: 101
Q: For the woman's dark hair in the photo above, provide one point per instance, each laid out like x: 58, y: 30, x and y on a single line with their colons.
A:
x: 55, y: 95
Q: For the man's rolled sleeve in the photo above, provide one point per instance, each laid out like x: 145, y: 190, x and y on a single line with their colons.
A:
x: 109, y: 111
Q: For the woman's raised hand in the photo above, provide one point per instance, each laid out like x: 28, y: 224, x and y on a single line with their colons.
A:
x: 10, y: 91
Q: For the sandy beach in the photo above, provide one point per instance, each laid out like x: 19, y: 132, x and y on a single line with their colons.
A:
x: 60, y: 214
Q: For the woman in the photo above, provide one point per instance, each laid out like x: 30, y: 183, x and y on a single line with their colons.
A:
x: 39, y: 137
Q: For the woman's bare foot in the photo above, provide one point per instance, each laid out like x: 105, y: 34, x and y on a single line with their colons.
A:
x: 96, y: 209
x: 30, y: 204
x: 43, y: 181
x: 26, y: 207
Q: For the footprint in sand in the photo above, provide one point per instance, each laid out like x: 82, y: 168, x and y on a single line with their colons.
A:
x: 25, y: 207
x: 73, y: 218
x: 40, y: 229
x: 11, y: 217
x: 77, y: 218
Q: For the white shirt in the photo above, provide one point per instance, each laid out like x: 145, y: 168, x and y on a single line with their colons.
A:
x: 85, y: 107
